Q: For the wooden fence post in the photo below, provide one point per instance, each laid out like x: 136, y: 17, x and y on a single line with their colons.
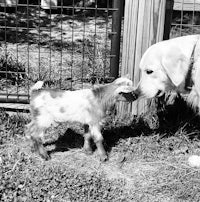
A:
x: 143, y: 26
x: 168, y: 18
x: 115, y: 39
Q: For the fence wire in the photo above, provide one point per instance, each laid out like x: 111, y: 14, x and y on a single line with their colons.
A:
x: 186, y: 18
x: 65, y: 43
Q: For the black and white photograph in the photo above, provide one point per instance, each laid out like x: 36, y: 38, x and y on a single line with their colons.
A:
x: 99, y: 100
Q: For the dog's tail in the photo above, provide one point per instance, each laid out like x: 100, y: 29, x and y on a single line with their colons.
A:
x: 36, y: 86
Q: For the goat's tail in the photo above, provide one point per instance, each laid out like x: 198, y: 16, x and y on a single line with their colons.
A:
x: 36, y: 86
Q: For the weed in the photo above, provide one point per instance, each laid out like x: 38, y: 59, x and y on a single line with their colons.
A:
x: 11, y: 69
x: 144, y: 165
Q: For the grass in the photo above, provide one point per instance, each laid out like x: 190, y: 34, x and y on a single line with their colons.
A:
x: 147, y: 155
x: 144, y: 164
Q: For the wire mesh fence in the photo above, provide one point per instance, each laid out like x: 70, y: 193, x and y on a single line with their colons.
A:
x: 65, y: 43
x: 186, y: 18
x: 68, y: 44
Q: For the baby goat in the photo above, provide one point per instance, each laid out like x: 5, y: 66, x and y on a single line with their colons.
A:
x: 87, y: 106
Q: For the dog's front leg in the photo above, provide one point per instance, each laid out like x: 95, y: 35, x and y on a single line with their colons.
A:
x: 98, y: 139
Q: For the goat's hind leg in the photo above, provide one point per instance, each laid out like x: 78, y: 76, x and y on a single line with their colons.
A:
x: 35, y: 134
x: 87, y: 140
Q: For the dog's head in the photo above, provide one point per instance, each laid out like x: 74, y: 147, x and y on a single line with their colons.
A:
x: 163, y: 67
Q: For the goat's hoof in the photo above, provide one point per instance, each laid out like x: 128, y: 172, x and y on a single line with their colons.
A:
x: 88, y: 151
x: 103, y: 158
x: 46, y: 157
x: 33, y: 150
x: 43, y: 153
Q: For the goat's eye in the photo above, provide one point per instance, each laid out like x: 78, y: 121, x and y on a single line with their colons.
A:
x: 148, y: 71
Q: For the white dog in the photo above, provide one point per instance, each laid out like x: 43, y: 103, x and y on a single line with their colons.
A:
x: 87, y: 106
x: 171, y: 65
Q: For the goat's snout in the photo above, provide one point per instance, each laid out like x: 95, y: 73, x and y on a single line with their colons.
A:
x: 132, y: 95
x: 129, y: 97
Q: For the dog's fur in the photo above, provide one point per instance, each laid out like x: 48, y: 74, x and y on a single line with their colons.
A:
x: 87, y: 106
x: 166, y: 66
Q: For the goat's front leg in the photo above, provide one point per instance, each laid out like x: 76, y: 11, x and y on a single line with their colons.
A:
x: 87, y: 140
x: 98, y: 139
x: 35, y: 134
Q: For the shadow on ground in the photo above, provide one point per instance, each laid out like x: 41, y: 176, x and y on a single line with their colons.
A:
x: 112, y: 134
x: 176, y: 114
x: 171, y: 118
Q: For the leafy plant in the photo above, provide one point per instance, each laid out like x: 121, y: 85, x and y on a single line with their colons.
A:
x: 10, y: 68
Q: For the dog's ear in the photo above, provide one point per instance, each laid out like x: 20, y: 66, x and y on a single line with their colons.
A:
x: 176, y: 65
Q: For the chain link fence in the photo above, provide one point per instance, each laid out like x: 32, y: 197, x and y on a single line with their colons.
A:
x: 68, y: 44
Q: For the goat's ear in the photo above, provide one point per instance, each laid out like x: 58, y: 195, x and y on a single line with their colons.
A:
x: 176, y: 66
x: 124, y: 89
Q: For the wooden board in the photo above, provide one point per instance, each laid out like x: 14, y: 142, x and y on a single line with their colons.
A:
x: 49, y: 4
x: 187, y: 5
x: 143, y: 26
x: 8, y: 3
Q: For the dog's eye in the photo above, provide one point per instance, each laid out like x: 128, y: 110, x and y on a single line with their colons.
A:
x: 148, y: 71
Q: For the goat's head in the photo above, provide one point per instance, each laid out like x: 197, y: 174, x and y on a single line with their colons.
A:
x: 123, y: 81
x: 120, y: 89
x: 124, y: 89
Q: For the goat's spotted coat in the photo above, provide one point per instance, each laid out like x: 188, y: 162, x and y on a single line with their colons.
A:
x: 87, y: 106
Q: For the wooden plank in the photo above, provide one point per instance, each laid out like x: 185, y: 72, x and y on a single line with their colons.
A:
x: 187, y: 1
x: 115, y: 39
x: 143, y: 26
x: 168, y: 19
x: 49, y: 4
x: 129, y: 43
x: 8, y: 3
x: 13, y: 107
x: 187, y: 5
